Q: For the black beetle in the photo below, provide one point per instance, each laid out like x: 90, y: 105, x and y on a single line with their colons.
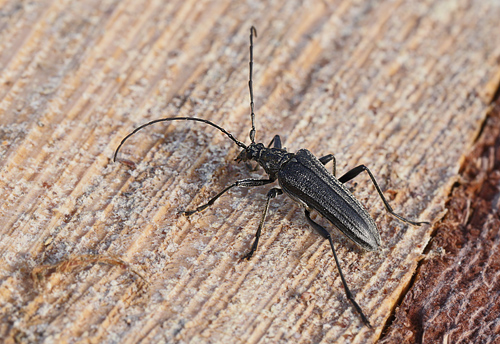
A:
x: 303, y: 178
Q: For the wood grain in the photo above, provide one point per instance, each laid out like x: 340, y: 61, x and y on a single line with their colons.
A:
x: 399, y: 86
x: 454, y: 296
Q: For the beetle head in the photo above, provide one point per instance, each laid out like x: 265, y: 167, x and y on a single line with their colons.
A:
x: 251, y: 152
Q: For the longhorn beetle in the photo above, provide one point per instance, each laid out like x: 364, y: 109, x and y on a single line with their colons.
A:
x: 303, y: 178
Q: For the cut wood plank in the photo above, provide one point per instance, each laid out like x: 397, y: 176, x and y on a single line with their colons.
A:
x: 398, y: 86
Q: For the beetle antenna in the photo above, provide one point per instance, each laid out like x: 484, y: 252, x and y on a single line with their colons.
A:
x: 241, y: 144
x: 253, y: 32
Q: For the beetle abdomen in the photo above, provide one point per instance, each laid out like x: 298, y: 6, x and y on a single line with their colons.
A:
x: 306, y: 180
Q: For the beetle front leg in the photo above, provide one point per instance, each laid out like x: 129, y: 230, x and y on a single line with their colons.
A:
x: 271, y: 194
x: 276, y: 141
x: 326, y: 159
x: 356, y: 171
x: 325, y: 234
x: 243, y: 182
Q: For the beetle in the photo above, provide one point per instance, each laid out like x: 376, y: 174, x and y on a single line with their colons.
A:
x: 304, y: 178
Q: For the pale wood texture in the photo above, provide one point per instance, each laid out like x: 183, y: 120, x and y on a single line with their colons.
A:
x: 399, y: 86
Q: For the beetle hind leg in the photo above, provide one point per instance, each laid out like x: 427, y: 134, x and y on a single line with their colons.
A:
x: 325, y: 234
x: 356, y: 171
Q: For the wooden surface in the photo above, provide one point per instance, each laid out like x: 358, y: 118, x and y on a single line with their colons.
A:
x: 454, y: 297
x: 95, y: 251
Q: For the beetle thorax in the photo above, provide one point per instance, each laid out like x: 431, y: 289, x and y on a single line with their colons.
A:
x: 271, y: 159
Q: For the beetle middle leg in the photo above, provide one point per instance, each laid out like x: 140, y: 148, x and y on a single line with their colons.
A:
x: 271, y: 194
x: 356, y: 171
x: 326, y: 159
x: 243, y: 182
x: 325, y: 234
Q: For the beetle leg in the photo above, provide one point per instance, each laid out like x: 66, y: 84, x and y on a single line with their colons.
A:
x: 325, y: 234
x: 251, y: 168
x: 356, y: 171
x: 271, y: 194
x: 326, y: 159
x: 243, y: 182
x: 277, y: 142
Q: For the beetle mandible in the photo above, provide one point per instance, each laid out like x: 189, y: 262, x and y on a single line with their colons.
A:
x: 304, y: 178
